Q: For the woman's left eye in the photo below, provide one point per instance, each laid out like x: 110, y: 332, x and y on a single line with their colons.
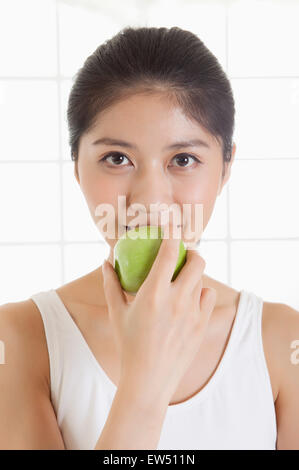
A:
x: 184, y: 156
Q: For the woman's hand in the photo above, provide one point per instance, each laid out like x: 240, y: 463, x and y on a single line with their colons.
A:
x: 159, y: 333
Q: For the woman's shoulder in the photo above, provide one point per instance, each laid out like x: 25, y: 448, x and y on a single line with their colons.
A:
x: 23, y: 337
x: 280, y: 325
x: 280, y: 331
x: 281, y: 345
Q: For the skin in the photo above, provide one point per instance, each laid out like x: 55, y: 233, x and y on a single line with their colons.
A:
x: 150, y: 174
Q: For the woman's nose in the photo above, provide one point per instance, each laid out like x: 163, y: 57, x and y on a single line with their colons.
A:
x: 150, y: 187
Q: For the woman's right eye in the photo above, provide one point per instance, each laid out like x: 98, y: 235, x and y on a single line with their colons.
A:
x: 116, y: 158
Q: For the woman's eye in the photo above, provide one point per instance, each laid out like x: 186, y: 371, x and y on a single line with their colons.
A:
x: 117, y: 158
x: 183, y: 158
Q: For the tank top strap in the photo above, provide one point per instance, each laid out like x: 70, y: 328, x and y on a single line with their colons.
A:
x: 248, y: 321
x: 257, y: 307
x: 52, y: 324
x: 249, y: 338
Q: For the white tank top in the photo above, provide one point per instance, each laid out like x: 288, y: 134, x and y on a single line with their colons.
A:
x: 234, y: 410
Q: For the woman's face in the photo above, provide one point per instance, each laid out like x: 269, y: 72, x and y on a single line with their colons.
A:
x: 147, y: 170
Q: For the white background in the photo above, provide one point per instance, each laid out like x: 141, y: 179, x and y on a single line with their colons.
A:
x: 47, y: 236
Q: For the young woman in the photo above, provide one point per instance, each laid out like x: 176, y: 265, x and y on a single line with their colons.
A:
x: 188, y: 364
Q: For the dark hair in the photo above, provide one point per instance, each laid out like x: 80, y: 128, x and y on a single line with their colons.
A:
x: 148, y: 60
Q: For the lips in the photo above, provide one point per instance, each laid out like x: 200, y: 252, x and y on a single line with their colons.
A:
x: 134, y: 226
x: 127, y: 227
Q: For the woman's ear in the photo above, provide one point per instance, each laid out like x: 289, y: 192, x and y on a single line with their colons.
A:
x: 76, y: 171
x: 227, y: 170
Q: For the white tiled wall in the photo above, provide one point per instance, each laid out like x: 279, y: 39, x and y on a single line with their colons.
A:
x: 28, y: 119
x: 47, y: 236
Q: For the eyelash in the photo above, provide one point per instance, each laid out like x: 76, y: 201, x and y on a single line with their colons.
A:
x: 120, y: 153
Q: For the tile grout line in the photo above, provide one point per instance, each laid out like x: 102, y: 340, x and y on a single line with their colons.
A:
x: 60, y: 161
x: 228, y: 237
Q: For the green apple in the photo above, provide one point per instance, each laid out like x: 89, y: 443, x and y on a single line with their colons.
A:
x: 135, y: 252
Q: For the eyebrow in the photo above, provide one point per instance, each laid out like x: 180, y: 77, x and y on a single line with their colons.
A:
x: 180, y: 144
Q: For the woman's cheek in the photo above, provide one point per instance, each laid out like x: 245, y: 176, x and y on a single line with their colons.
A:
x: 201, y: 200
x: 97, y: 191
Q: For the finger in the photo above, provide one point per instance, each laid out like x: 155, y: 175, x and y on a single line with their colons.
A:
x: 114, y: 294
x: 192, y: 271
x: 116, y: 301
x: 165, y: 262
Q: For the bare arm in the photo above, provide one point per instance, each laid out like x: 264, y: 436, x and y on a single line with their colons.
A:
x: 27, y: 418
x: 287, y: 403
x: 133, y: 423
